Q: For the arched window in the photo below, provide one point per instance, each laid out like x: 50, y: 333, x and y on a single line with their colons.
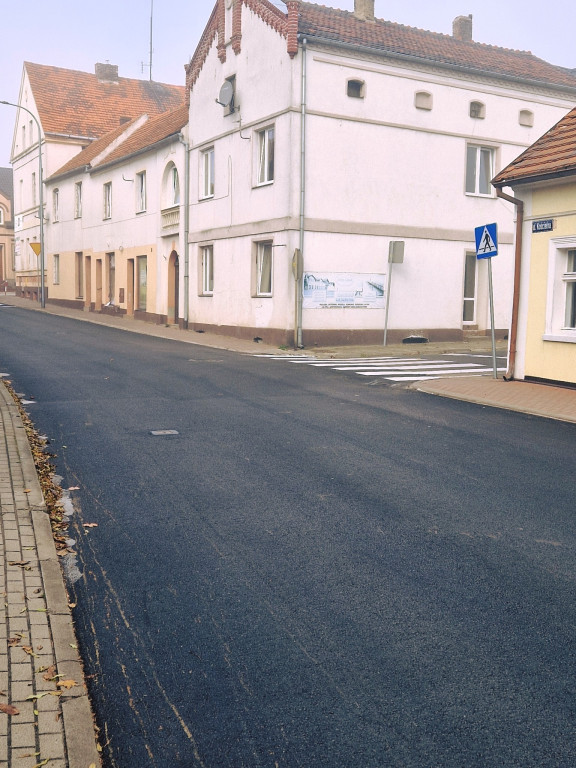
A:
x: 477, y: 110
x: 1, y: 216
x: 423, y: 100
x: 171, y: 186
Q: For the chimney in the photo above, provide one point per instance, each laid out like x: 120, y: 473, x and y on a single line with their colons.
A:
x: 364, y: 9
x: 462, y: 28
x: 107, y: 73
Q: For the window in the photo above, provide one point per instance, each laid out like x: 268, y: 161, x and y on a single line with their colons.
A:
x: 23, y: 137
x: 108, y: 200
x: 78, y: 200
x: 56, y: 205
x: 561, y: 291
x: 31, y: 132
x: 479, y: 170
x: 207, y: 173
x: 207, y: 256
x: 569, y: 279
x: 174, y: 186
x: 141, y: 192
x: 477, y: 110
x: 79, y: 275
x: 526, y: 118
x: 263, y: 269
x: 266, y: 156
x: 1, y: 216
x: 56, y: 269
x: 423, y: 100
x: 34, y: 189
x: 355, y: 89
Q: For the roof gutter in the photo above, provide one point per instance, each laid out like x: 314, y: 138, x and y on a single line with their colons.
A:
x: 436, y: 63
x: 509, y: 376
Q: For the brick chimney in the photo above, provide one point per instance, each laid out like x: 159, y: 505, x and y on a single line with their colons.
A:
x: 462, y: 28
x: 107, y: 73
x: 364, y: 9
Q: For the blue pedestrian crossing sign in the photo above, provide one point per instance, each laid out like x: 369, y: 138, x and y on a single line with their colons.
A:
x: 486, y: 241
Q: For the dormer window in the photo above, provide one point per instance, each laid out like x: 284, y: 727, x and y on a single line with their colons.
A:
x: 423, y: 100
x: 526, y: 118
x: 356, y: 89
x: 477, y: 110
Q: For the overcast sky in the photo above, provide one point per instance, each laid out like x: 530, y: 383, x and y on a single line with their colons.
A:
x: 76, y: 35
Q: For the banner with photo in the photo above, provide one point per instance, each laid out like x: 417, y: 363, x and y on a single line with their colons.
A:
x: 343, y: 290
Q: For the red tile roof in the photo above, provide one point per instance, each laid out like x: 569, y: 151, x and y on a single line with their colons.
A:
x: 551, y: 156
x: 153, y: 131
x: 72, y: 103
x: 322, y: 23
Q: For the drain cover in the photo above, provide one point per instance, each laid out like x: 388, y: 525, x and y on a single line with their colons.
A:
x: 157, y: 432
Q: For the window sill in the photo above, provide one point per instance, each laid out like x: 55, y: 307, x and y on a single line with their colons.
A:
x: 264, y: 184
x: 568, y: 338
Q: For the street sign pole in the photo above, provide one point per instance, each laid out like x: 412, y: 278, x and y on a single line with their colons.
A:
x: 487, y: 247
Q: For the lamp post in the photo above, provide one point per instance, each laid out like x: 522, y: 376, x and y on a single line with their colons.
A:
x: 40, y: 198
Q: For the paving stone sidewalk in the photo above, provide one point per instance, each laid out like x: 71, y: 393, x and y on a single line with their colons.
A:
x: 44, y: 719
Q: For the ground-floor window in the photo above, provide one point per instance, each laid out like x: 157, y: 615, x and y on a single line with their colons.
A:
x: 469, y: 304
x: 142, y: 278
x: 569, y: 279
x: 207, y: 267
x: 561, y: 293
x: 56, y: 269
x: 263, y: 268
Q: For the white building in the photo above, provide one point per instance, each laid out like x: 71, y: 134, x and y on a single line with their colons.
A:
x: 337, y: 133
x: 63, y: 112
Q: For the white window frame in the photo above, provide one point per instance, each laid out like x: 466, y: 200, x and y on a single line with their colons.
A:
x: 34, y: 193
x: 561, y: 288
x: 56, y: 269
x: 475, y: 184
x: 266, y: 155
x: 107, y: 191
x: 207, y: 174
x: 207, y: 270
x: 263, y: 268
x: 78, y: 200
x: 1, y: 216
x: 174, y: 183
x: 141, y: 192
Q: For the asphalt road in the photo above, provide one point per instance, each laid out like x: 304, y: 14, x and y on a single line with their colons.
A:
x: 318, y: 571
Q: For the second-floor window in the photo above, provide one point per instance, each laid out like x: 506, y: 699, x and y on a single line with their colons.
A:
x: 141, y: 192
x: 78, y: 200
x: 266, y: 155
x: 108, y: 200
x: 174, y: 186
x: 479, y: 169
x: 56, y: 205
x: 34, y: 189
x: 207, y: 173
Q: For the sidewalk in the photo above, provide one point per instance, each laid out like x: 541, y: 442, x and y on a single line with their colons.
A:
x: 45, y: 716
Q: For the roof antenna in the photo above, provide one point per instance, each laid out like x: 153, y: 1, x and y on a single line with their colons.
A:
x: 151, y: 17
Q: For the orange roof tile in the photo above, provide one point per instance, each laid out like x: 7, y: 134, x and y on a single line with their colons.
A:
x: 153, y: 131
x: 322, y: 23
x: 551, y: 156
x: 72, y: 103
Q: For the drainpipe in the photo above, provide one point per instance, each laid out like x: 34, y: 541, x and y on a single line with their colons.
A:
x: 186, y: 230
x: 517, y: 268
x: 298, y: 330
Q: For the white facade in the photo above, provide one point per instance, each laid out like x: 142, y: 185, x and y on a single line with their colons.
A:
x: 384, y: 158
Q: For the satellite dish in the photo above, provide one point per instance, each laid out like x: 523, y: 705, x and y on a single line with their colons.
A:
x: 226, y: 95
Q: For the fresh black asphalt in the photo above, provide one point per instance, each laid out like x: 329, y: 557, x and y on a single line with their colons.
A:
x: 317, y: 571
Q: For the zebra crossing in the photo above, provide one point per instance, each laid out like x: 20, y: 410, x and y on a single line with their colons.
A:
x: 399, y: 369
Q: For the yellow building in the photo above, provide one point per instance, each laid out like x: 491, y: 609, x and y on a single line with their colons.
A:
x: 543, y: 331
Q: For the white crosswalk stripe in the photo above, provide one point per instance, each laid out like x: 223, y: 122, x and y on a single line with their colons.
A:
x: 398, y: 369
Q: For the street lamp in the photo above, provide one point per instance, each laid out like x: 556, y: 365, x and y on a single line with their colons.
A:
x: 40, y: 198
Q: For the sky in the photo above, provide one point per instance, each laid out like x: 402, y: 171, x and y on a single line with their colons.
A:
x: 76, y: 35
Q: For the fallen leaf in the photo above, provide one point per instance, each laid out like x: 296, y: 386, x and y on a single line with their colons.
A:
x: 49, y: 673
x: 90, y: 525
x: 27, y: 490
x: 8, y: 709
x: 29, y: 651
x: 73, y: 487
x: 43, y: 762
x: 20, y: 563
x: 66, y: 683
